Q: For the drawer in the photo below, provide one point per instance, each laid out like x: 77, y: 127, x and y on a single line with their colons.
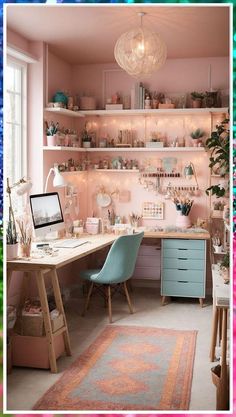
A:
x: 184, y: 253
x: 147, y: 273
x: 184, y: 244
x: 183, y: 275
x: 182, y: 289
x: 184, y: 263
x: 150, y: 250
x: 149, y: 261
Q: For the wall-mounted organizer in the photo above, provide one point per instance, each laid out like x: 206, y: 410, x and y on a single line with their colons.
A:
x: 153, y: 210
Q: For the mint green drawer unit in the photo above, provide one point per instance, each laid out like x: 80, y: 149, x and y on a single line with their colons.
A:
x: 183, y: 289
x: 183, y: 263
x: 183, y: 275
x: 183, y: 268
x: 183, y: 244
x: 184, y: 253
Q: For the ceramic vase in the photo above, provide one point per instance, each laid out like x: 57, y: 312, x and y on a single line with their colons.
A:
x: 196, y: 104
x: 52, y: 140
x: 182, y: 221
x: 12, y: 251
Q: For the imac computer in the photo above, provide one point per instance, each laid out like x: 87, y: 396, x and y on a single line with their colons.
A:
x: 46, y: 214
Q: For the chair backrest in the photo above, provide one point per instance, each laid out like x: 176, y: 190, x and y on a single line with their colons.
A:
x: 120, y: 262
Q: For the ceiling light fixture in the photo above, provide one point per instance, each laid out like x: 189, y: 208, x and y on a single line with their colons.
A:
x: 140, y: 52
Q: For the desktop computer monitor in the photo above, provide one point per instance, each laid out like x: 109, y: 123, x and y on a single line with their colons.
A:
x: 46, y: 213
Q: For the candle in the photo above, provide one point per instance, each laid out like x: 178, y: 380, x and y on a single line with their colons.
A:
x: 209, y: 78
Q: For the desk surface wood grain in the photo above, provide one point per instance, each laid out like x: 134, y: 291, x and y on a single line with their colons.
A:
x: 95, y: 243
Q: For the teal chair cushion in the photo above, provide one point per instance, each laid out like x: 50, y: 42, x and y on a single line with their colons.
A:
x: 120, y: 262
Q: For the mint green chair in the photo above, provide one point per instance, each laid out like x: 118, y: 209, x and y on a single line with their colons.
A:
x: 117, y: 269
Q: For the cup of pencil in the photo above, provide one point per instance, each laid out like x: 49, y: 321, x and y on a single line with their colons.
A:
x: 183, y: 207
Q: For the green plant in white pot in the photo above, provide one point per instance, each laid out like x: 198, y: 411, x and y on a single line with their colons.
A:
x: 197, y: 136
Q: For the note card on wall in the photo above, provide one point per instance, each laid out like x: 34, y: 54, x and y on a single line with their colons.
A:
x: 153, y: 210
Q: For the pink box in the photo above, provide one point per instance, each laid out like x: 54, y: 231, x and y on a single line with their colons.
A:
x: 33, y: 352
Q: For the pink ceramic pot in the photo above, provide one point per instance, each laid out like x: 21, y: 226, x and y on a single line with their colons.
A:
x: 12, y: 251
x: 182, y: 221
x: 52, y: 140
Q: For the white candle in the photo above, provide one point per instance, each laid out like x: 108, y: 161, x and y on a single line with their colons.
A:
x: 209, y: 78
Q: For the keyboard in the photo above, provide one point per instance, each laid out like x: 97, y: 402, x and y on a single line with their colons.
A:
x: 70, y: 243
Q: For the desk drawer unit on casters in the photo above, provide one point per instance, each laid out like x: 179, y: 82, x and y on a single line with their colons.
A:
x: 183, y: 268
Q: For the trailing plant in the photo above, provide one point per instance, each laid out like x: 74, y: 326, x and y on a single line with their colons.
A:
x: 197, y: 134
x: 225, y: 261
x: 197, y: 96
x: 218, y: 144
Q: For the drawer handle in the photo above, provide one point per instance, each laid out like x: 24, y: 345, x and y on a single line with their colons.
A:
x: 183, y: 259
x: 182, y: 249
x: 184, y: 282
x: 182, y: 269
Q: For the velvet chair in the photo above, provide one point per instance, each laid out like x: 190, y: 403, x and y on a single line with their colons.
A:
x: 117, y: 269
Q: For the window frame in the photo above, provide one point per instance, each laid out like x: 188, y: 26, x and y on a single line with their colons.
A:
x: 10, y: 61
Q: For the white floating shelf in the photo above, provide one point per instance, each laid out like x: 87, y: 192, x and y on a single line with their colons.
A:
x: 170, y: 149
x: 63, y: 112
x: 220, y: 253
x: 135, y: 112
x: 63, y: 148
x: 117, y: 170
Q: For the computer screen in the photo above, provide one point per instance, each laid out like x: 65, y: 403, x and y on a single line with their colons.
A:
x: 46, y: 213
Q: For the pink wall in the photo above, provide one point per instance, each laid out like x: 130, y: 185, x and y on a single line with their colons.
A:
x: 59, y: 76
x: 17, y: 40
x: 176, y: 76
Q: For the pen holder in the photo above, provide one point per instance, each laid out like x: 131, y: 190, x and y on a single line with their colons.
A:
x: 182, y: 220
x: 25, y: 250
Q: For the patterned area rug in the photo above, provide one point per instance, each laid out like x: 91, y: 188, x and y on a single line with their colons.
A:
x: 128, y: 368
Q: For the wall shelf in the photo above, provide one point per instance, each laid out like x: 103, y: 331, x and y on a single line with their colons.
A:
x: 117, y: 170
x: 135, y: 112
x: 170, y: 149
x: 63, y: 148
x: 63, y: 112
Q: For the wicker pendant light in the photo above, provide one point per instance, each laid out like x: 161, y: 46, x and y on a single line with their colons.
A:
x: 140, y: 52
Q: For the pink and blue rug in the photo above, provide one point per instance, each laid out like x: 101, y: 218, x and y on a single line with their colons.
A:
x: 128, y: 368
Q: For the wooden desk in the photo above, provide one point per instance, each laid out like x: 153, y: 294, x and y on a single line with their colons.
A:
x: 37, y: 268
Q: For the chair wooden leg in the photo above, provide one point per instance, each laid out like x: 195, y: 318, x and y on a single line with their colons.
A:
x: 128, y: 298
x: 109, y: 302
x: 88, y: 299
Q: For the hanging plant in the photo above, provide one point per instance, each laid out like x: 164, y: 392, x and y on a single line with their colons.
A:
x: 218, y: 144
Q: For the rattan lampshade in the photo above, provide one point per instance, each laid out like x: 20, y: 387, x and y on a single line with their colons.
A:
x: 140, y: 52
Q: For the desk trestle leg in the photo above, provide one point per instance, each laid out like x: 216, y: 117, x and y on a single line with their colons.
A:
x: 60, y: 308
x: 47, y: 321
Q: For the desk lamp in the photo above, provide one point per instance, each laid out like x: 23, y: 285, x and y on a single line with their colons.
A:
x: 58, y: 180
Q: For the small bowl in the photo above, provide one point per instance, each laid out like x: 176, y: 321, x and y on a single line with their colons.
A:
x: 59, y: 104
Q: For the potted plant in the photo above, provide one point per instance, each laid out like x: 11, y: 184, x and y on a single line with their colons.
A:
x: 218, y: 144
x: 218, y: 208
x: 197, y: 136
x: 86, y: 138
x: 197, y: 99
x: 11, y: 239
x: 224, y: 266
x: 51, y: 130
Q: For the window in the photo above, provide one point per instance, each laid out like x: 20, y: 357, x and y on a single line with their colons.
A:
x: 15, y: 123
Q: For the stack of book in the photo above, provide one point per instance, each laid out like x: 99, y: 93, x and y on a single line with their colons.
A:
x: 137, y: 96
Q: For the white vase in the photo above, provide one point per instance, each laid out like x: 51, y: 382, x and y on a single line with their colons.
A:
x: 182, y: 221
x: 52, y: 140
x: 86, y: 144
x: 12, y: 251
